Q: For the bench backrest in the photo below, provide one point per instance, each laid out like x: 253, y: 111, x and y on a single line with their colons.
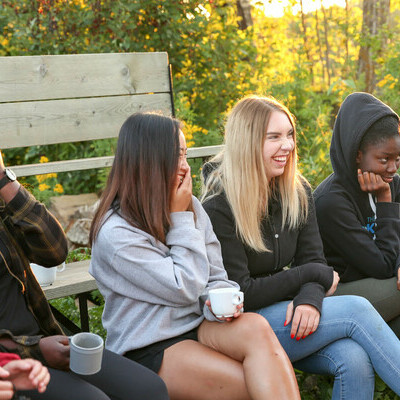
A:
x: 69, y: 98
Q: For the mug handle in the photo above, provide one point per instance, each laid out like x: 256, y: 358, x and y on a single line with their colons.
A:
x: 62, y: 267
x: 237, y: 298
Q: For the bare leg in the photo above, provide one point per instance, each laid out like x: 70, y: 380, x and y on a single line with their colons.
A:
x: 193, y: 371
x: 250, y: 340
x: 238, y: 360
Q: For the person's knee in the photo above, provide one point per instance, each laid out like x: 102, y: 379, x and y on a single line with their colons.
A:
x: 255, y: 329
x: 359, y: 305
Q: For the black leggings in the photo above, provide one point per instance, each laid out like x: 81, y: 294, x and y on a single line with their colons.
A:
x: 119, y: 379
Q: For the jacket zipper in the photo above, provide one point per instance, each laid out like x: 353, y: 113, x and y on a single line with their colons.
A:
x: 12, y: 274
x: 276, y: 243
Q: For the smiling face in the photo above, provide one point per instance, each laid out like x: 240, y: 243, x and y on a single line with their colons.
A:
x: 382, y: 158
x: 278, y: 144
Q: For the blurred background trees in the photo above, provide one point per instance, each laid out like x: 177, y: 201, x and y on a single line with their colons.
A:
x: 220, y: 50
x: 310, y: 55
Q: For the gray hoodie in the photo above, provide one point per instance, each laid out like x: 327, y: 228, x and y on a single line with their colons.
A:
x: 154, y: 291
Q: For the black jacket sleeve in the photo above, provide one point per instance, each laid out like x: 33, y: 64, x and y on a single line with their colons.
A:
x: 345, y: 236
x: 309, y: 252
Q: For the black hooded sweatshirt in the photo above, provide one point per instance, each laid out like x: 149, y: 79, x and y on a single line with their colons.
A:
x: 356, y: 242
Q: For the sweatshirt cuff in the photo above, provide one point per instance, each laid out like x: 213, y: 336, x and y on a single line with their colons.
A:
x: 387, y: 210
x: 311, y: 293
x: 209, y: 316
x: 182, y: 218
x: 316, y: 272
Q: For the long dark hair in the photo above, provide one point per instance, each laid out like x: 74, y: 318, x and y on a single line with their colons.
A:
x: 143, y: 173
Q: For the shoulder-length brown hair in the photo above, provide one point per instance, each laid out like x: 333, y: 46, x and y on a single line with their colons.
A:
x: 143, y: 173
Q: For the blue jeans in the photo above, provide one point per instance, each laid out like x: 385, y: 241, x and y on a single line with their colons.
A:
x: 351, y: 342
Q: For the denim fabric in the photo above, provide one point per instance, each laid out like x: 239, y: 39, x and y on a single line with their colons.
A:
x: 383, y: 295
x: 351, y: 342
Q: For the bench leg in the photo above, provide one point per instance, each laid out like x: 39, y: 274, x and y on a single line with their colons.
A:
x: 84, y: 314
x: 65, y: 322
x: 83, y: 310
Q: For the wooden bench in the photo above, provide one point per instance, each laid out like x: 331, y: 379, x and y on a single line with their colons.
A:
x: 46, y: 100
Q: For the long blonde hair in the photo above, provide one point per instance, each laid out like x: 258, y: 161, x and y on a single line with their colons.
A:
x: 240, y: 172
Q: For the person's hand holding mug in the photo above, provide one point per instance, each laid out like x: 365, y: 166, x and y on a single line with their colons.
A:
x: 237, y: 314
x: 225, y: 303
x: 55, y: 350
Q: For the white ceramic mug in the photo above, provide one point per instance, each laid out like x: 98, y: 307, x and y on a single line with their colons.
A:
x: 86, y: 353
x: 224, y: 301
x: 46, y: 276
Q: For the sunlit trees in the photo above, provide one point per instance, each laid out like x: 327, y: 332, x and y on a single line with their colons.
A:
x: 374, y: 35
x: 221, y: 50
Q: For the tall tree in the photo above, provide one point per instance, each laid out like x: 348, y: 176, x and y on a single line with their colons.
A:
x: 327, y: 47
x: 321, y: 57
x: 244, y: 11
x: 347, y: 33
x: 305, y: 39
x: 375, y: 18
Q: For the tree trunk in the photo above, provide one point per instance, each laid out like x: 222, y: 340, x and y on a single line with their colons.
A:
x: 244, y: 11
x: 306, y: 49
x: 347, y: 33
x: 327, y: 47
x: 321, y: 57
x: 375, y: 17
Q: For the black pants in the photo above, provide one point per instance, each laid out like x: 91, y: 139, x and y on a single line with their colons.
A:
x: 119, y: 379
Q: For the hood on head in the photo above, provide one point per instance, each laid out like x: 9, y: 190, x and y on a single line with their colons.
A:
x: 356, y: 114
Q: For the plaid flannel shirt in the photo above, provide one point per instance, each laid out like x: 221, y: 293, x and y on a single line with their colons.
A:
x: 34, y: 235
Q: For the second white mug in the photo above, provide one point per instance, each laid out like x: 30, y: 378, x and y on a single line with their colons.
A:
x: 46, y: 276
x: 224, y: 301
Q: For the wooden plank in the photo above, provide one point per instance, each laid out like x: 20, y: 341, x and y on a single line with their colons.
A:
x: 95, y: 162
x: 82, y: 75
x: 63, y: 166
x: 205, y: 151
x: 72, y: 120
x: 74, y: 279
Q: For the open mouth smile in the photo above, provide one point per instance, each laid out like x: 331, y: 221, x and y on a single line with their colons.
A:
x: 281, y: 160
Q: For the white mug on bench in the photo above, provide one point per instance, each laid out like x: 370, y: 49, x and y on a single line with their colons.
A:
x: 46, y: 276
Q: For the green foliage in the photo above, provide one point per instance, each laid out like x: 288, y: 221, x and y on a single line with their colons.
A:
x: 79, y: 254
x: 213, y: 65
x: 314, y: 387
x: 68, y: 305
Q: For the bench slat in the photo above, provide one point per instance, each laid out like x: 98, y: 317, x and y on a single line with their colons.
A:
x: 82, y: 75
x: 74, y: 279
x: 61, y: 121
x: 95, y: 162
